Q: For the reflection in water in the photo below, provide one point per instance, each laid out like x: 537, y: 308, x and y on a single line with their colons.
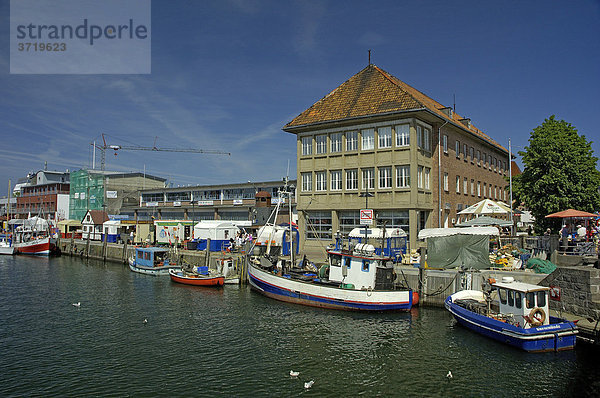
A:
x: 231, y: 341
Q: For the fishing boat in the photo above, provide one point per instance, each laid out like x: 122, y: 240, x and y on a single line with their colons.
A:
x: 6, y: 246
x: 152, y: 261
x: 356, y: 277
x: 198, y: 278
x: 34, y: 237
x: 514, y: 313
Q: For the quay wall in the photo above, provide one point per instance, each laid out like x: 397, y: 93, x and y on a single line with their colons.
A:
x: 579, y: 290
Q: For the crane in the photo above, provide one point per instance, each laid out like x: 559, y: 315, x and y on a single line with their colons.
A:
x: 102, y: 148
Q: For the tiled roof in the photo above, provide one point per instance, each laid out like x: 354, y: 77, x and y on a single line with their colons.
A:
x: 98, y: 216
x: 371, y: 92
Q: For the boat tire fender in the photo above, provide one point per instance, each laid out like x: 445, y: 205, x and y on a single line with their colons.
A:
x: 537, y: 316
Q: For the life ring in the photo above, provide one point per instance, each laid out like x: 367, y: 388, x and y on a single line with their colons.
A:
x: 537, y: 316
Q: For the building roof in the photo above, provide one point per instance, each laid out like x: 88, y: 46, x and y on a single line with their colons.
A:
x: 373, y: 92
x: 514, y: 168
x: 98, y: 216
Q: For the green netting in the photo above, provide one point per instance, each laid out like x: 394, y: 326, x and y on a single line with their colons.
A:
x: 468, y: 251
x: 540, y: 266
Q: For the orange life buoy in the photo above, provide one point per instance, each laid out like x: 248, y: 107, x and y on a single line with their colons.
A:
x: 537, y: 316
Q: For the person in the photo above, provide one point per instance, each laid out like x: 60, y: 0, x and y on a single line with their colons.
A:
x: 548, y: 232
x: 581, y: 232
x: 131, y: 236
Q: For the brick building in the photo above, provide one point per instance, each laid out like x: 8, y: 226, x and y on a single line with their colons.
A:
x: 376, y: 135
x: 46, y: 193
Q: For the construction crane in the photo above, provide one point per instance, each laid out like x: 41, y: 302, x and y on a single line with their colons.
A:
x: 102, y: 148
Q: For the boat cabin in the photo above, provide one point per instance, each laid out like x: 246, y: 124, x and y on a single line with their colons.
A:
x: 151, y: 256
x: 527, y: 303
x: 389, y: 242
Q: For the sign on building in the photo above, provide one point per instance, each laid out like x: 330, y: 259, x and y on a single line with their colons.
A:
x: 366, y: 216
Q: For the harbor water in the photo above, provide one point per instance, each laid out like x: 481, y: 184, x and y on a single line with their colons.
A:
x: 234, y: 342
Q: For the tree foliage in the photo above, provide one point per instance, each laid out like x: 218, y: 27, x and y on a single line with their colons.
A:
x: 559, y: 172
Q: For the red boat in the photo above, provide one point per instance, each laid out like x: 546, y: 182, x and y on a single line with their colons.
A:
x: 186, y: 278
x: 43, y: 246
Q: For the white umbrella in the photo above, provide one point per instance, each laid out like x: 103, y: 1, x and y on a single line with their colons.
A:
x: 486, y: 206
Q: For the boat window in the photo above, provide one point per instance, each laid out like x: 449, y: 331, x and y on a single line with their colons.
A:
x: 365, y: 265
x: 502, y: 295
x: 530, y: 299
x: 147, y: 255
x: 541, y: 299
x: 518, y: 299
x: 348, y: 262
x: 140, y: 254
x: 511, y: 298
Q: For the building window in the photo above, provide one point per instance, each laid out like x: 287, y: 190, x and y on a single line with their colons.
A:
x: 457, y: 184
x: 445, y: 143
x: 368, y: 139
x: 465, y: 186
x: 402, y: 176
x: 465, y: 149
x: 318, y: 225
x: 385, y: 177
x: 348, y: 221
x: 336, y: 142
x: 306, y: 182
x: 457, y: 149
x: 352, y: 179
x: 336, y: 180
x: 351, y: 140
x: 394, y: 218
x: 478, y: 157
x: 445, y: 182
x: 420, y: 177
x: 473, y: 187
x: 321, y: 143
x: 419, y: 136
x: 472, y: 154
x: 479, y: 188
x: 484, y: 159
x: 427, y: 173
x: 385, y: 137
x: 368, y: 179
x: 306, y: 145
x: 321, y: 180
x: 424, y: 138
x: 402, y: 135
x: 494, y: 164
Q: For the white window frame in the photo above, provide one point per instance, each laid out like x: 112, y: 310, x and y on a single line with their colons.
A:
x: 321, y: 181
x: 384, y: 137
x: 368, y: 178
x: 306, y: 146
x: 420, y: 177
x: 426, y: 139
x: 321, y: 141
x: 403, y: 135
x: 403, y: 176
x: 457, y: 149
x: 479, y: 189
x: 352, y: 180
x: 419, y: 136
x: 307, y: 182
x: 445, y: 182
x: 472, y: 187
x: 465, y: 186
x: 457, y: 184
x: 336, y: 180
x: 445, y: 143
x: 427, y: 177
x: 336, y: 142
x: 385, y: 177
x: 367, y: 139
x: 351, y: 141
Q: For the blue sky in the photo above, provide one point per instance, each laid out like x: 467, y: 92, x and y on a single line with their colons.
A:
x: 228, y: 74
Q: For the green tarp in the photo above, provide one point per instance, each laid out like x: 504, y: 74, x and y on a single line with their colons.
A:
x: 468, y: 251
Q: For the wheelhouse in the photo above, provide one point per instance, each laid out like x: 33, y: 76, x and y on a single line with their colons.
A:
x: 151, y: 256
x: 526, y: 302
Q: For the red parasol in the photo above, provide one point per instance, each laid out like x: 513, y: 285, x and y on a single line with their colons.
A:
x: 571, y: 213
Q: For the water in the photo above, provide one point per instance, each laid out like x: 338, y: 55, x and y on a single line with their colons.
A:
x: 232, y: 341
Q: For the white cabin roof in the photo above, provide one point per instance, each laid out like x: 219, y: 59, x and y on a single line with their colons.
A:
x: 439, y: 232
x: 377, y: 233
x: 520, y: 286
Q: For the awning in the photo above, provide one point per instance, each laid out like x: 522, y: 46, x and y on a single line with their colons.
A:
x: 571, y: 213
x: 437, y: 232
x: 485, y: 221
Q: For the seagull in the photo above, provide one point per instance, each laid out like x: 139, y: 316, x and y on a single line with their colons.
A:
x: 294, y: 374
x: 309, y: 384
x: 449, y: 375
x: 77, y: 304
x: 145, y: 321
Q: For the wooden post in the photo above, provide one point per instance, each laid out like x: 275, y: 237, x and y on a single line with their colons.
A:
x: 207, y: 254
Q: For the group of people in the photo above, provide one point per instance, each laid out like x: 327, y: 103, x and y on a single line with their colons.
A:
x: 581, y: 233
x: 241, y: 238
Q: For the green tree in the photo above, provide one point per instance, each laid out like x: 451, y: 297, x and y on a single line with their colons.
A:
x: 559, y: 173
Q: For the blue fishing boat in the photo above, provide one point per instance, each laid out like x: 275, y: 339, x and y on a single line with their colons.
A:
x: 513, y: 313
x: 152, y: 261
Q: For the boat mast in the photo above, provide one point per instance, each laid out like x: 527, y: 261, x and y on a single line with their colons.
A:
x: 8, y: 208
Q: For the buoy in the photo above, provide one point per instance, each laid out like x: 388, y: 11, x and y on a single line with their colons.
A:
x: 508, y: 279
